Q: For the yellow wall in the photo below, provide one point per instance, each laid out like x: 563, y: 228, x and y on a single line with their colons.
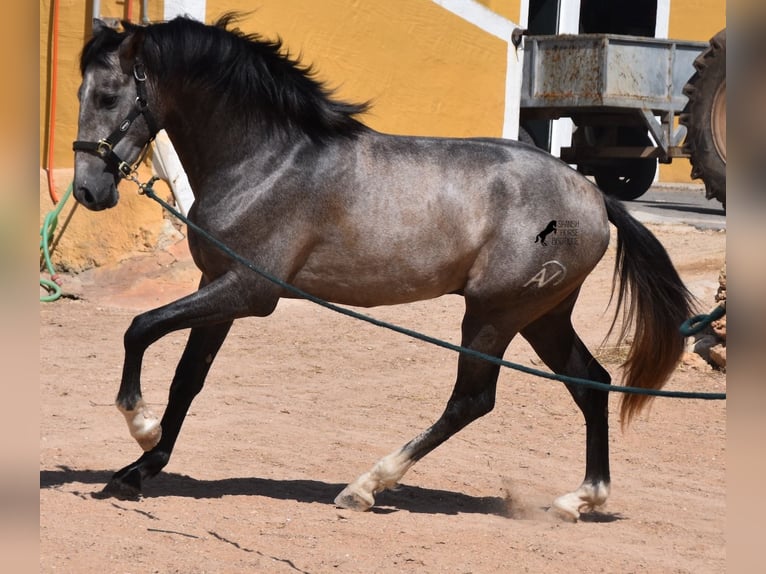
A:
x: 696, y: 19
x: 691, y: 20
x: 426, y: 71
x: 74, y: 27
x: 91, y: 239
x: 509, y: 9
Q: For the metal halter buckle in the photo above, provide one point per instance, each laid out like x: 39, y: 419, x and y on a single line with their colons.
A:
x: 125, y: 168
x: 138, y: 72
x: 103, y: 148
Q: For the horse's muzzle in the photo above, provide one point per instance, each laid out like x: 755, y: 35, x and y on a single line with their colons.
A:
x: 106, y: 198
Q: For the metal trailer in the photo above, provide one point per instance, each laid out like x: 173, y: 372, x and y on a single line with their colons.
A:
x: 617, y: 90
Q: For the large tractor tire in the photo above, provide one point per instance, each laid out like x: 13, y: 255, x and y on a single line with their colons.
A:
x: 705, y: 118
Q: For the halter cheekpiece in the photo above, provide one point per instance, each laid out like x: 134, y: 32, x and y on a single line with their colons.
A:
x: 104, y: 148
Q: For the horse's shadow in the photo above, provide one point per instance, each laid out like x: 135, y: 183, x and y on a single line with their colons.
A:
x: 407, y: 498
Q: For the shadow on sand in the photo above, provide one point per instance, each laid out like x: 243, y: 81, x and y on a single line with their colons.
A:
x: 406, y: 498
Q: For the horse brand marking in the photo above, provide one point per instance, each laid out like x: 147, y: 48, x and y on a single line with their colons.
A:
x: 551, y: 272
x: 550, y: 228
x: 569, y: 232
x: 566, y: 231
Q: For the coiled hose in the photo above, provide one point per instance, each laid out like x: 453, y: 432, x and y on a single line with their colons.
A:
x: 46, y: 234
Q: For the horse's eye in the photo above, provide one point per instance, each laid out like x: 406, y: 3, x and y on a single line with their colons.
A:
x: 108, y: 101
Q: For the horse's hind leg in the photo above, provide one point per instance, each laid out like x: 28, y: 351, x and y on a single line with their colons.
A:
x: 554, y: 339
x: 472, y: 397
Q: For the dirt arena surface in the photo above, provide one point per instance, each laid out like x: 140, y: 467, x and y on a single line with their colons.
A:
x: 302, y: 402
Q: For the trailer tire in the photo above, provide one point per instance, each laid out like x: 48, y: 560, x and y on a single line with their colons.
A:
x: 705, y: 118
x: 627, y: 178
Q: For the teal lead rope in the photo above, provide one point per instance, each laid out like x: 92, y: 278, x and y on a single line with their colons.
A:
x: 147, y: 189
x: 700, y: 322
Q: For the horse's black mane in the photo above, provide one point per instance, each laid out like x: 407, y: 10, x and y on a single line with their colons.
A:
x: 253, y: 75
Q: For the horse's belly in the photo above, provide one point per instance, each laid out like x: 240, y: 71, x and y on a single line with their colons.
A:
x: 380, y: 281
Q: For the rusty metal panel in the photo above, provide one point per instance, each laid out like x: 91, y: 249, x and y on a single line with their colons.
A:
x: 605, y: 70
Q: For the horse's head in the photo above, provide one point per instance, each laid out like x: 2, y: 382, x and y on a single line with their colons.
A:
x: 115, y: 123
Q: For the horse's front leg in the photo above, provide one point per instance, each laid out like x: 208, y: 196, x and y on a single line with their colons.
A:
x: 201, y: 349
x: 209, y: 313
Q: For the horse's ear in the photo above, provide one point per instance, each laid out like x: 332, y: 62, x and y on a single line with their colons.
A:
x: 99, y: 26
x: 131, y: 47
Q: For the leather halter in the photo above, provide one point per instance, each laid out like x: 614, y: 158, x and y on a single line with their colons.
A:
x: 104, y: 148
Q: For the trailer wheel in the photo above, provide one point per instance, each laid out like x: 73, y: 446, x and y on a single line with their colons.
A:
x: 627, y: 178
x: 705, y: 118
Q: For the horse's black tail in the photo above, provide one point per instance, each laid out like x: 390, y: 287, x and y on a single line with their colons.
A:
x: 654, y: 300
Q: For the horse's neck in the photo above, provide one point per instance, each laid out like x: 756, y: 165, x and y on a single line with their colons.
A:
x: 215, y: 156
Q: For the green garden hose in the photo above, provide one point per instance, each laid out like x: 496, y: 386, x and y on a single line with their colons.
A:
x: 46, y: 233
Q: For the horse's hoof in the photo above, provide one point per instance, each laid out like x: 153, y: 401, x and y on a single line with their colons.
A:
x: 568, y: 506
x: 586, y: 498
x: 564, y: 513
x: 123, y: 486
x: 354, y: 500
x: 144, y: 426
x: 150, y: 437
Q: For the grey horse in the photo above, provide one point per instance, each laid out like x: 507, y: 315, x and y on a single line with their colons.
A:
x: 288, y: 176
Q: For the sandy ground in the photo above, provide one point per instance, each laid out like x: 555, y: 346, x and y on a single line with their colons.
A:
x: 302, y: 402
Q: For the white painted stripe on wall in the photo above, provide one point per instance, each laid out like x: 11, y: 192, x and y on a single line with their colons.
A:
x: 513, y: 79
x: 167, y: 165
x: 479, y: 15
x: 569, y: 23
x: 661, y: 30
x: 569, y: 17
x: 500, y: 27
x: 193, y: 8
x: 662, y: 26
x: 524, y: 16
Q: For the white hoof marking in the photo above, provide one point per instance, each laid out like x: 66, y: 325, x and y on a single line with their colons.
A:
x: 584, y: 499
x: 360, y: 494
x: 355, y: 496
x: 144, y: 426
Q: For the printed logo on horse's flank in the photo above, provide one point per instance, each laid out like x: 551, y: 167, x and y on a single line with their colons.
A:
x: 551, y: 227
x: 568, y: 228
x: 551, y: 272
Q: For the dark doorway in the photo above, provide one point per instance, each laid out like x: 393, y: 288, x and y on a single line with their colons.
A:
x: 626, y: 17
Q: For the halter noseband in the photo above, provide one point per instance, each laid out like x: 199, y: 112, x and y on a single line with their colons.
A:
x: 104, y: 148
